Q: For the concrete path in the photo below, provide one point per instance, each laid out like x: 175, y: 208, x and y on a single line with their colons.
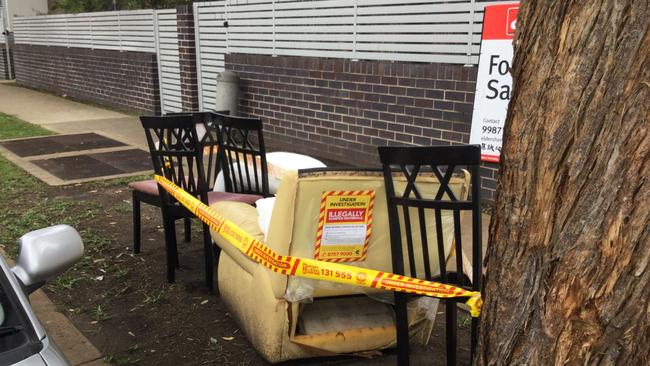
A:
x: 65, y: 116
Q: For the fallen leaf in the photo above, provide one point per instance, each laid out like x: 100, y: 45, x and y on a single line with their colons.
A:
x: 99, y: 278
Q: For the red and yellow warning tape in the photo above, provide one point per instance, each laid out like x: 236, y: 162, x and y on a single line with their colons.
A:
x: 314, y: 269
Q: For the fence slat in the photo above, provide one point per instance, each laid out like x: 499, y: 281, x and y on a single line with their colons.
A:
x: 168, y: 60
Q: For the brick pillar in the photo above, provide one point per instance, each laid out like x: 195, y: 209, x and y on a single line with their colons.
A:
x: 6, y: 59
x: 187, y: 58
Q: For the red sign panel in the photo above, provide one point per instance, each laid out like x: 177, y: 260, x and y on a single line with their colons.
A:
x: 346, y: 215
x: 500, y: 21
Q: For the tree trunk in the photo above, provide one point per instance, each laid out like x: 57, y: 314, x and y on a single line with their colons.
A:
x: 567, y: 267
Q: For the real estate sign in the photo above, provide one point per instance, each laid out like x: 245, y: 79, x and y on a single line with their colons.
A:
x: 494, y: 83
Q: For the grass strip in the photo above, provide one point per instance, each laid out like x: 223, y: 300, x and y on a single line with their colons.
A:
x: 14, y: 128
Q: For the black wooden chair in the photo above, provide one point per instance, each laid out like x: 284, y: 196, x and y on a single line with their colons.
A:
x: 243, y: 154
x: 147, y: 190
x: 413, y: 163
x: 178, y: 155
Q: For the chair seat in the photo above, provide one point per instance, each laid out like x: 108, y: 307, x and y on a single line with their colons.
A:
x: 149, y: 187
x: 250, y: 199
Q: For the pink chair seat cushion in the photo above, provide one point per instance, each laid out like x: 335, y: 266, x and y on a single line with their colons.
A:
x: 149, y: 187
x: 250, y: 199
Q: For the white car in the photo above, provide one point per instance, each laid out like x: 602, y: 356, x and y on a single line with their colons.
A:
x: 44, y: 254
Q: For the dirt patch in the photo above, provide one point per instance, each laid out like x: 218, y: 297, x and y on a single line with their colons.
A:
x: 124, y: 305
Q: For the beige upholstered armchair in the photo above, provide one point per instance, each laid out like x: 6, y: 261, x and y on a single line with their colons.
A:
x: 288, y: 317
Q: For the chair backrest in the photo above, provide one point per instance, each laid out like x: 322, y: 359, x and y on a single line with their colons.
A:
x: 413, y: 205
x: 242, y: 154
x: 208, y: 139
x: 176, y: 153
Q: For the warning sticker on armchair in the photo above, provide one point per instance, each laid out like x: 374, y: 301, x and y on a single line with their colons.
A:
x: 344, y: 226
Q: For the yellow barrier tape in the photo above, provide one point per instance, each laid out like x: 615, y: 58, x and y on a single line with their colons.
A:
x: 314, y: 269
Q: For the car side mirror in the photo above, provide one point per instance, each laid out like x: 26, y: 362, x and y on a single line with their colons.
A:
x: 45, y: 254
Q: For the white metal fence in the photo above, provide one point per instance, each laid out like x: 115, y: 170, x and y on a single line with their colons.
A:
x: 120, y: 30
x: 444, y: 31
x: 168, y: 60
x: 211, y: 47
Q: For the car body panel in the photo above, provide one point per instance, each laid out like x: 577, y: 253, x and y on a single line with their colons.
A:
x: 34, y: 360
x: 49, y: 354
x: 22, y: 298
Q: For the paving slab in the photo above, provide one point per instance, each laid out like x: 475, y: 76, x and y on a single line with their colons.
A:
x: 33, y: 146
x: 125, y: 129
x: 107, y: 164
x: 76, y: 167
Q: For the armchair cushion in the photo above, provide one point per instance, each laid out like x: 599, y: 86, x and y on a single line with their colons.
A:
x: 244, y: 216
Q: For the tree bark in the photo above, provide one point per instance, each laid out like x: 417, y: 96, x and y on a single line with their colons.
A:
x: 567, y: 266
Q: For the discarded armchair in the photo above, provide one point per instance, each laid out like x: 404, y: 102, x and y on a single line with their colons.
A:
x: 288, y: 317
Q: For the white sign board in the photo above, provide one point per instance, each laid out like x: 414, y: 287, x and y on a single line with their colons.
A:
x: 494, y: 82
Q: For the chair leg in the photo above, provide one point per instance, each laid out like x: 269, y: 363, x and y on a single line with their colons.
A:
x: 402, y: 325
x: 474, y: 338
x: 178, y: 263
x: 170, y: 246
x: 188, y: 230
x: 209, y: 258
x: 451, y: 325
x: 136, y: 223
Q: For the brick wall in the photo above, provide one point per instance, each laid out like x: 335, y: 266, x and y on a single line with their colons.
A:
x: 122, y: 80
x: 342, y: 110
x: 3, y: 62
x: 187, y: 57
